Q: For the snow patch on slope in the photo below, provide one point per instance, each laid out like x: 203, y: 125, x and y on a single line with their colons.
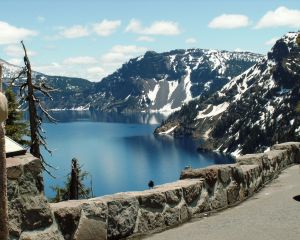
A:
x: 172, y: 86
x: 188, y: 85
x: 152, y: 94
x: 169, y: 131
x: 216, y: 110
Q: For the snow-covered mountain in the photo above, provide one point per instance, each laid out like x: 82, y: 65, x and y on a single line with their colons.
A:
x: 166, y: 81
x: 152, y: 82
x: 253, y: 111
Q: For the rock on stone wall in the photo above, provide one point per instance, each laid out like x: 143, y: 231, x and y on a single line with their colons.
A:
x: 198, y: 193
x: 30, y: 215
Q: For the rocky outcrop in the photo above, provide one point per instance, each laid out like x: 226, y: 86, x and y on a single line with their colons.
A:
x: 30, y: 216
x: 198, y: 193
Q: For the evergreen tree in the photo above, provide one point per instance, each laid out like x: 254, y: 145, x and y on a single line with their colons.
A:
x: 15, y: 127
x: 74, y: 187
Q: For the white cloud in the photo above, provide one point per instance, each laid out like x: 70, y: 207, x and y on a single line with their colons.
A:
x: 81, y: 60
x: 15, y: 61
x: 281, y: 17
x: 145, y: 39
x: 156, y: 28
x: 191, y: 40
x: 40, y: 19
x: 10, y: 34
x: 96, y: 73
x: 128, y: 49
x: 272, y: 41
x: 75, y: 31
x: 93, y: 73
x: 91, y: 68
x: 106, y: 27
x: 50, y: 69
x: 17, y: 51
x: 120, y: 54
x: 134, y: 26
x: 229, y: 21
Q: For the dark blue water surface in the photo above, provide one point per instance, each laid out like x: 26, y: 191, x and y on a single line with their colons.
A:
x: 119, y: 151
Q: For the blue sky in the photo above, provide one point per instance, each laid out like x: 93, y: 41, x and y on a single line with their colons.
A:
x: 91, y: 39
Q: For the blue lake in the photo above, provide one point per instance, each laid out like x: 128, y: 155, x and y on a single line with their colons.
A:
x: 119, y: 151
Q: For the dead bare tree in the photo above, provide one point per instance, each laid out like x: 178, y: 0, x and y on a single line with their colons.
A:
x: 74, y: 182
x: 31, y: 93
x: 4, y: 234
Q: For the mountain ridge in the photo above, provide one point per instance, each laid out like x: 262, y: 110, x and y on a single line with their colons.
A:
x: 158, y: 82
x: 253, y: 111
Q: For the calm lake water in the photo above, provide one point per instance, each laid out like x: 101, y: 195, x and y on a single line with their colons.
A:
x: 119, y: 151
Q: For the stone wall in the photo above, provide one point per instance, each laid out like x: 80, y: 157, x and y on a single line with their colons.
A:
x: 30, y: 215
x: 198, y: 193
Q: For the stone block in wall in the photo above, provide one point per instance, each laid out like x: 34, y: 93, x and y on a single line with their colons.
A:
x: 219, y: 198
x: 51, y: 233
x: 211, y: 174
x: 253, y: 178
x: 122, y: 216
x: 155, y: 200
x: 174, y: 196
x: 276, y: 160
x: 293, y: 149
x: 28, y: 208
x: 250, y: 159
x: 36, y: 213
x: 237, y: 174
x: 224, y: 173
x: 165, y: 206
x: 203, y: 204
x: 149, y: 221
x: 67, y: 215
x: 192, y: 192
x: 233, y: 193
x: 92, y: 224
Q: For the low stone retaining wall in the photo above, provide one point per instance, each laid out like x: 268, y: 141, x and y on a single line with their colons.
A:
x: 198, y: 193
x: 30, y: 215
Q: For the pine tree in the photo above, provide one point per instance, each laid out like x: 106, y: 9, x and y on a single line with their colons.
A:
x: 15, y: 127
x: 74, y: 187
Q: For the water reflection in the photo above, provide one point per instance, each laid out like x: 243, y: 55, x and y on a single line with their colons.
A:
x: 96, y: 116
x: 120, y: 156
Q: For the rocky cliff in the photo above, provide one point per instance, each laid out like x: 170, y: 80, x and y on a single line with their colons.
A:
x: 253, y: 111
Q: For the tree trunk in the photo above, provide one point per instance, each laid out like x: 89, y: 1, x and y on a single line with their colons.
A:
x: 35, y: 144
x: 74, y: 184
x: 3, y: 181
